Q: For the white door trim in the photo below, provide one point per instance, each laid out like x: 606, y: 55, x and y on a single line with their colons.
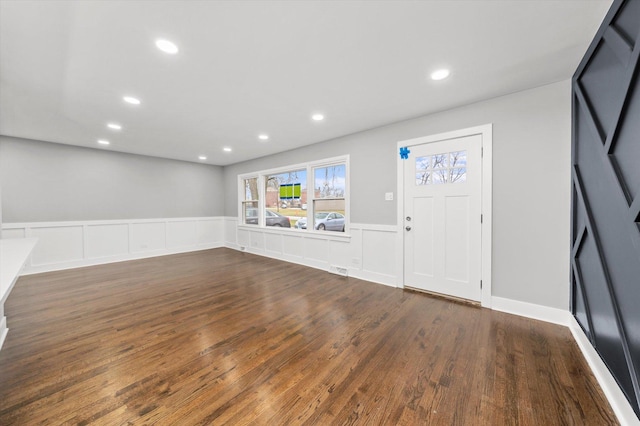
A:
x: 486, y: 131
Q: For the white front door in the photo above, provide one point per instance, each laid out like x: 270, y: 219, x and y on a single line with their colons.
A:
x: 442, y: 222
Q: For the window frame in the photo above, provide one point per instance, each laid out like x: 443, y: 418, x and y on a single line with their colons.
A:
x: 310, y: 170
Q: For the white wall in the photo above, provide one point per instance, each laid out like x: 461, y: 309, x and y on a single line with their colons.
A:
x: 531, y: 177
x: 45, y: 182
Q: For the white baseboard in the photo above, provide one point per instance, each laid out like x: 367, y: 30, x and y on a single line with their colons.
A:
x: 530, y: 310
x: 3, y: 331
x: 616, y: 398
x: 387, y: 280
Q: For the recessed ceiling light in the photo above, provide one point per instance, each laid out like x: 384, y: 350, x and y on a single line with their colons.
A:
x: 263, y: 137
x: 114, y: 126
x: 103, y: 142
x: 131, y: 100
x: 226, y: 149
x: 317, y: 117
x: 440, y: 74
x: 202, y: 157
x: 166, y: 46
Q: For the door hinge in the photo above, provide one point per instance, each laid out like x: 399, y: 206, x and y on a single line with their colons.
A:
x: 481, y: 218
x: 481, y: 151
x: 480, y: 284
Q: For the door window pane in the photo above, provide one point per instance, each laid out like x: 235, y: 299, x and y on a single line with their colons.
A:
x: 440, y: 161
x: 458, y: 175
x: 458, y: 159
x: 423, y: 163
x: 423, y: 178
x: 440, y: 176
x: 448, y: 167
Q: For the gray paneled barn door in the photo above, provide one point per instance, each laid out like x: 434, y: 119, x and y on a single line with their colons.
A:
x: 605, y: 238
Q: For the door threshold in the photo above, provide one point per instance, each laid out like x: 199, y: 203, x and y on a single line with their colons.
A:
x: 447, y: 297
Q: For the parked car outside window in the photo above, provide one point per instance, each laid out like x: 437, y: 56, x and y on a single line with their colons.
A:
x: 329, y: 221
x: 276, y: 219
x: 272, y: 218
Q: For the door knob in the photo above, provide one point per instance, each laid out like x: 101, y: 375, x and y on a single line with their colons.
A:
x: 408, y: 228
x: 408, y: 218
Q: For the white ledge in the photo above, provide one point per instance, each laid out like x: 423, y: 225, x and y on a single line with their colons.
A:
x: 13, y: 255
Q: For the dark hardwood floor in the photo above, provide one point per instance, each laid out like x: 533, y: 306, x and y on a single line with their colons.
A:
x: 223, y: 337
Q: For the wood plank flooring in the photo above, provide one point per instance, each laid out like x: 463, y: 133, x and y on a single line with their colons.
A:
x: 224, y: 337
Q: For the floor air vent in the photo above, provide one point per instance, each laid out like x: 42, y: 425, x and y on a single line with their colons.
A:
x: 339, y: 270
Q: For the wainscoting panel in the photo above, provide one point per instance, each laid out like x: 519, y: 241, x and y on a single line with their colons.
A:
x: 378, y: 261
x: 149, y: 236
x: 182, y: 234
x: 57, y: 244
x: 330, y: 251
x: 242, y: 241
x: 257, y: 240
x: 63, y: 245
x: 339, y: 254
x: 316, y: 251
x: 273, y: 244
x: 106, y: 240
x: 230, y: 227
x: 293, y: 248
x: 209, y: 231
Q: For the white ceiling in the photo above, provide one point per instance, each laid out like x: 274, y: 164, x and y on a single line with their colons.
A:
x: 251, y: 67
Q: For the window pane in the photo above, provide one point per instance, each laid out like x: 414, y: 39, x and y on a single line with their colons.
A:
x: 458, y: 159
x: 286, y: 198
x: 440, y: 161
x: 329, y: 182
x: 250, y: 212
x: 251, y: 189
x: 329, y: 202
x: 440, y: 176
x: 423, y: 178
x: 329, y: 214
x: 422, y: 163
x: 458, y: 175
